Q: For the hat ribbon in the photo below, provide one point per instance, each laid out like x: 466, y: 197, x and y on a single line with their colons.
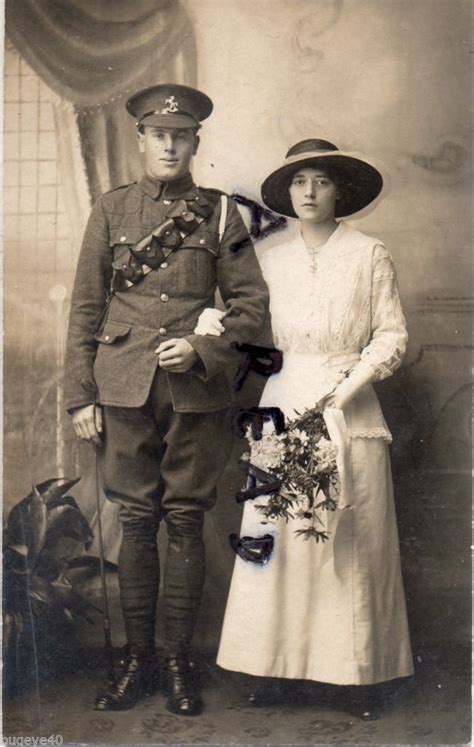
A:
x: 316, y: 154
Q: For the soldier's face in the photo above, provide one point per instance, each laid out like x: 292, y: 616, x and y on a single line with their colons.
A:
x: 168, y: 152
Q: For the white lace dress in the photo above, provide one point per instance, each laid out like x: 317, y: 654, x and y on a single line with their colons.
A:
x: 332, y: 612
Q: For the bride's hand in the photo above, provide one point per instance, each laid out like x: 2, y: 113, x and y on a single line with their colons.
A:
x: 335, y: 399
x: 209, y: 323
x: 352, y: 383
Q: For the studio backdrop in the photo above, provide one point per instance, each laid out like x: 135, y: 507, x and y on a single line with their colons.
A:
x: 389, y: 78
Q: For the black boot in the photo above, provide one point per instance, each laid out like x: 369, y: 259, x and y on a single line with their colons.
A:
x: 180, y: 686
x: 138, y: 678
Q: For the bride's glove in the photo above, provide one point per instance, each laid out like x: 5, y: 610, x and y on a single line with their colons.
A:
x: 209, y: 323
x: 361, y: 375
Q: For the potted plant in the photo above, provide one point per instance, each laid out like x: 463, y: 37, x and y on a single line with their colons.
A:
x: 44, y: 565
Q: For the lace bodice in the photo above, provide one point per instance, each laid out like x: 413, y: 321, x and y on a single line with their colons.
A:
x: 348, y: 303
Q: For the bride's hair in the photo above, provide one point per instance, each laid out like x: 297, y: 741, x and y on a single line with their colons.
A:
x: 332, y: 173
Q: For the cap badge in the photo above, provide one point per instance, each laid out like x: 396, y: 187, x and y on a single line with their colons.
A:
x: 172, y: 106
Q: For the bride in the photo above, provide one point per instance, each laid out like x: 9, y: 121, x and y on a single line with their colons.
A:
x: 333, y: 613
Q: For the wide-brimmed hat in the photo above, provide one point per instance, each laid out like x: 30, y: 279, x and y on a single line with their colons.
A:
x: 359, y: 182
x: 169, y: 105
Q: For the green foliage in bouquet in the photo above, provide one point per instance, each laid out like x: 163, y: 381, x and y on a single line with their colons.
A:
x: 304, y: 459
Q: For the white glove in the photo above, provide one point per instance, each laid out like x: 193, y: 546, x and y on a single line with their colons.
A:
x: 348, y: 388
x: 209, y: 323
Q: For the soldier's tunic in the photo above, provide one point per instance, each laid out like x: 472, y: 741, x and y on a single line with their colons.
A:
x: 120, y: 362
x: 167, y: 435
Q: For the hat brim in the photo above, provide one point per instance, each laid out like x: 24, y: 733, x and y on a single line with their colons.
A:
x: 169, y: 121
x: 359, y: 181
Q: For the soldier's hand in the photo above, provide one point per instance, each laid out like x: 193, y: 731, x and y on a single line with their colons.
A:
x: 209, y: 323
x: 88, y: 424
x: 176, y: 355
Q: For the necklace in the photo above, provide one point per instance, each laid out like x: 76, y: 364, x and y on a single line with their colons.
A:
x: 313, y: 252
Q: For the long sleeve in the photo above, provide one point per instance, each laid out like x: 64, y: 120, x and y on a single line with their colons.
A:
x: 88, y: 298
x: 388, y: 335
x: 244, y: 293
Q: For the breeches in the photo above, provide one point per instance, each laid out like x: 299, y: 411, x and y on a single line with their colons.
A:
x: 159, y: 464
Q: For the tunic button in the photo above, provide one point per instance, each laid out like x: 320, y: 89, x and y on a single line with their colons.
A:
x: 164, y: 265
x: 164, y: 297
x: 202, y: 241
x: 123, y: 238
x: 162, y: 330
x: 166, y: 202
x: 107, y: 338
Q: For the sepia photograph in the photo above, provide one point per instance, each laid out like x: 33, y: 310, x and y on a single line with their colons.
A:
x: 237, y: 325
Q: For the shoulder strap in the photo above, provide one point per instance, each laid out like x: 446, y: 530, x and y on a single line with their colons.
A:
x: 223, y: 216
x: 120, y: 186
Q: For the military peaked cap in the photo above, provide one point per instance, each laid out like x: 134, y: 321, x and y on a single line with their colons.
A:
x: 169, y: 105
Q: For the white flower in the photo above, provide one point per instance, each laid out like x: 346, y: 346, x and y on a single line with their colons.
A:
x: 327, y: 447
x: 296, y: 434
x: 326, y: 453
x: 267, y: 453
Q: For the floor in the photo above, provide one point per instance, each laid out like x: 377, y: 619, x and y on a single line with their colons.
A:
x: 431, y: 708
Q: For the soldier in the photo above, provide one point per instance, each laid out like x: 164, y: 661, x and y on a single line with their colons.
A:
x: 155, y: 395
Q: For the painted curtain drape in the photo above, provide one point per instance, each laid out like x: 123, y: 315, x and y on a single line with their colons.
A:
x: 95, y: 54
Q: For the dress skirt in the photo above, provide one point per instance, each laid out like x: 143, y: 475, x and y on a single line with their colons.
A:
x: 332, y: 612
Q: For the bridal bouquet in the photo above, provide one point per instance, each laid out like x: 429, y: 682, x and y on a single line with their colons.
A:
x: 299, y: 468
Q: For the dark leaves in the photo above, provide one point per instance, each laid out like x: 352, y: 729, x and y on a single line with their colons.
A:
x: 81, y: 569
x: 18, y: 528
x: 327, y: 505
x: 55, y: 488
x: 312, y: 532
x: 72, y: 603
x: 66, y: 500
x: 28, y: 520
x: 15, y: 558
x: 67, y: 521
x: 91, y: 563
x: 42, y: 568
x: 278, y: 507
x: 47, y: 566
x: 40, y: 589
x: 26, y: 525
x: 37, y: 526
x: 312, y: 422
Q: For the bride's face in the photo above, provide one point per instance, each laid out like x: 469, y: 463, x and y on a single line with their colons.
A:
x: 313, y: 195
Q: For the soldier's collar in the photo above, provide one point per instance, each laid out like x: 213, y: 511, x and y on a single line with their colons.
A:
x: 179, y: 188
